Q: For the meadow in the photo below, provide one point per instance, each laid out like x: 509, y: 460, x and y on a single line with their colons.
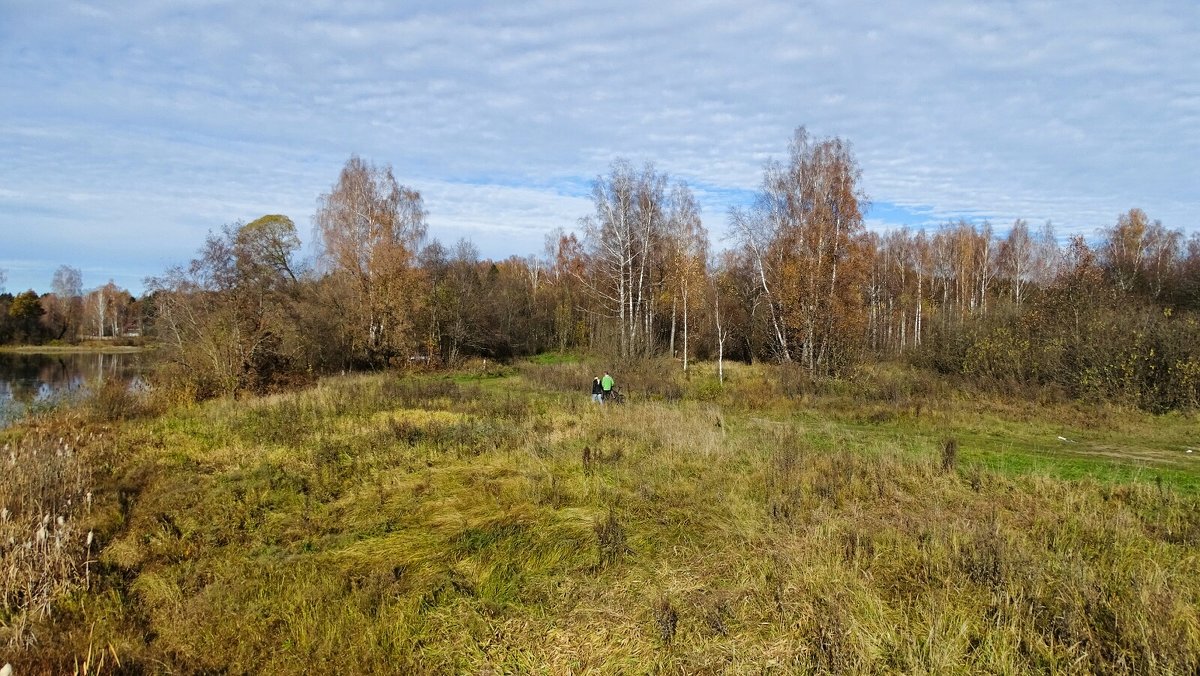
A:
x: 494, y: 520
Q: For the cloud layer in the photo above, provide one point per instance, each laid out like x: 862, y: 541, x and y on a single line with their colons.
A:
x: 130, y: 132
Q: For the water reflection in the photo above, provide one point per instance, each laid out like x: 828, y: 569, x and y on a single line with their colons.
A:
x: 30, y: 381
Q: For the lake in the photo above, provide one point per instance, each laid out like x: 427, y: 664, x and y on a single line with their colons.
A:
x: 31, y: 381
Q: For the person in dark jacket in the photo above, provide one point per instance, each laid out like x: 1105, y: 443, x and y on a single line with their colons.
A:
x: 597, y: 390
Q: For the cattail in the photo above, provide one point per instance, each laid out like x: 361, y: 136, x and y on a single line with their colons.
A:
x: 4, y: 514
x: 89, y: 540
x: 61, y: 522
x: 41, y: 535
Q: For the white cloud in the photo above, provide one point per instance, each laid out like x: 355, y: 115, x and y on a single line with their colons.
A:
x: 147, y: 124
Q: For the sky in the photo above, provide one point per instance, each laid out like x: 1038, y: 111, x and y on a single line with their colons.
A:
x: 129, y: 130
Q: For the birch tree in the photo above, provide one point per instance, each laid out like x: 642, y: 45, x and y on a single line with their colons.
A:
x: 370, y: 228
x: 805, y: 235
x: 1016, y: 259
x: 624, y: 238
x: 688, y: 244
x: 65, y: 310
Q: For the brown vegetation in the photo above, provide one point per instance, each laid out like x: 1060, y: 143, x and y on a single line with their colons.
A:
x: 484, y: 522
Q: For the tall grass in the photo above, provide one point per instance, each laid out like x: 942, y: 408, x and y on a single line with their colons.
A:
x: 45, y: 542
x: 425, y: 525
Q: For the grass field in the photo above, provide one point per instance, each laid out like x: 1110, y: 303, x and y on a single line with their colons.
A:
x: 495, y: 521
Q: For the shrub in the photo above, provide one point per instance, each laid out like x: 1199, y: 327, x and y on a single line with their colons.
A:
x: 113, y: 401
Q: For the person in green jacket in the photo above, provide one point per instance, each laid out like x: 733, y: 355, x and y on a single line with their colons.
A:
x: 606, y: 384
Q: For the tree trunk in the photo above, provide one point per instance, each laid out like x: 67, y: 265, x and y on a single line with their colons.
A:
x: 671, y: 347
x: 685, y: 326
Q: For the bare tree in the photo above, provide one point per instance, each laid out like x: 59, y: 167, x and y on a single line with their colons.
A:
x: 687, y: 242
x: 228, y: 321
x: 1027, y: 259
x: 624, y: 238
x: 566, y: 285
x: 756, y: 233
x: 1017, y: 257
x: 985, y: 265
x: 65, y: 311
x: 719, y: 285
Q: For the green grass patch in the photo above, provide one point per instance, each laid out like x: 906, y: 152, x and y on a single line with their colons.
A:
x: 548, y: 358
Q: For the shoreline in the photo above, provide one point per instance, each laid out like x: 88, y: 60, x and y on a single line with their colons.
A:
x: 71, y: 349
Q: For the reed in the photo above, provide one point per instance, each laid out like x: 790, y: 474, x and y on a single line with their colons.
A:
x: 45, y: 540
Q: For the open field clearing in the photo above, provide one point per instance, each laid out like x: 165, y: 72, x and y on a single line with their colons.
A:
x: 498, y: 522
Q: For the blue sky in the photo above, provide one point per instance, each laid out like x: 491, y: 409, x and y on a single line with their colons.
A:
x: 128, y: 130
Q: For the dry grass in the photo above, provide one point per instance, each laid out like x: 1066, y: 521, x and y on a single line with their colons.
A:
x: 45, y: 540
x: 500, y: 525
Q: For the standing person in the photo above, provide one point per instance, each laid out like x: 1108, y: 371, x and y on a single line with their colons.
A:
x: 606, y: 384
x: 597, y: 390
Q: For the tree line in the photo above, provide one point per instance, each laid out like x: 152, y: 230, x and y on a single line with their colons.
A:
x: 803, y: 282
x: 68, y: 314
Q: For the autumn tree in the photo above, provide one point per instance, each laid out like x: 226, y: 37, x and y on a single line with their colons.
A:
x: 370, y: 228
x: 686, y: 244
x: 805, y: 235
x: 264, y: 250
x: 1139, y: 254
x: 24, y: 313
x: 456, y: 299
x: 105, y: 310
x: 229, y: 320
x: 564, y: 287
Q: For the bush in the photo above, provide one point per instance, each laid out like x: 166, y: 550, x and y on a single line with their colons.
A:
x: 114, y: 401
x: 1126, y: 353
